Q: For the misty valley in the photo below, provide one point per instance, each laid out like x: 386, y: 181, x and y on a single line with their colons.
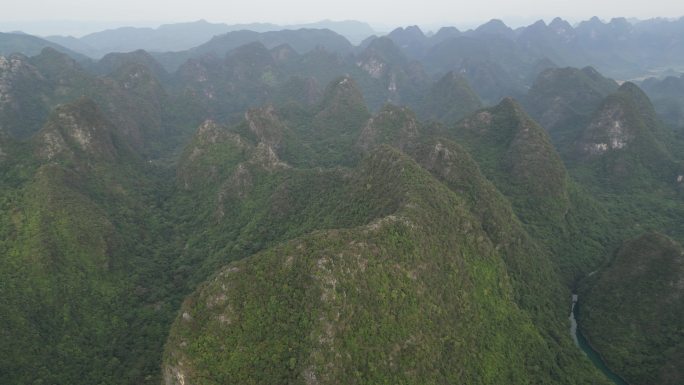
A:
x: 204, y: 203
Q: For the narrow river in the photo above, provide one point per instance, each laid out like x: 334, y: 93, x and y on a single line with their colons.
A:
x: 586, y: 348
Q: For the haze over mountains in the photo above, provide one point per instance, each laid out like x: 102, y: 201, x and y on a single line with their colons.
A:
x: 182, y: 36
x: 206, y: 204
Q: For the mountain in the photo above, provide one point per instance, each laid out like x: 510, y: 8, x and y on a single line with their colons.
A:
x: 285, y: 207
x: 667, y: 95
x: 632, y: 310
x: 22, y: 87
x: 401, y: 81
x: 411, y: 40
x: 479, y: 60
x: 516, y: 154
x: 28, y: 45
x: 557, y: 41
x: 113, y: 61
x: 167, y: 37
x: 77, y: 128
x: 301, y: 40
x: 296, y: 307
x: 450, y: 99
x: 619, y: 48
x: 494, y: 27
x: 337, y: 122
x: 82, y: 282
x: 131, y: 96
x: 562, y: 100
x: 625, y: 144
x: 354, y: 31
x: 519, y: 157
x: 392, y: 125
x: 629, y: 160
x: 183, y: 36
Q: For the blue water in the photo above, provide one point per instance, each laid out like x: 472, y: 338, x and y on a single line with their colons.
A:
x: 592, y: 354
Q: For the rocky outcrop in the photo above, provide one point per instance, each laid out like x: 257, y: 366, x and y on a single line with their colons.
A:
x: 78, y: 127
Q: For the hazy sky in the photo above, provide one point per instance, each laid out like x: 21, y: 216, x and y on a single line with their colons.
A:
x: 382, y: 14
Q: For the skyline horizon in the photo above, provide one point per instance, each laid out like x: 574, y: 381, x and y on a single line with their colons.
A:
x: 86, y: 27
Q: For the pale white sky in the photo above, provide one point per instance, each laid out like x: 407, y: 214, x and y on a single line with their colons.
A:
x: 383, y: 14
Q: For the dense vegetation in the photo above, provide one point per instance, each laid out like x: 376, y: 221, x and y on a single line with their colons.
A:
x: 632, y: 311
x: 418, y: 295
x: 336, y: 214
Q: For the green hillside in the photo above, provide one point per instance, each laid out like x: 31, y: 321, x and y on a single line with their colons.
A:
x: 516, y: 154
x: 286, y: 208
x: 632, y: 311
x: 417, y: 292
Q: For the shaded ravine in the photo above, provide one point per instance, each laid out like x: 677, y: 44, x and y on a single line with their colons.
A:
x: 583, y: 344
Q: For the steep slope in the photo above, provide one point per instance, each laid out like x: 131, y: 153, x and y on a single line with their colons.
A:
x: 667, y: 96
x: 302, y: 41
x: 337, y: 122
x: 184, y: 36
x: 296, y: 312
x: 112, y: 61
x: 11, y: 43
x: 450, y: 99
x: 396, y: 126
x: 22, y: 89
x: 411, y: 40
x: 403, y: 81
x: 624, y: 146
x: 632, y: 311
x: 131, y: 96
x: 562, y: 100
x: 549, y: 41
x: 81, y: 253
x: 516, y: 154
x: 625, y: 157
x: 493, y: 65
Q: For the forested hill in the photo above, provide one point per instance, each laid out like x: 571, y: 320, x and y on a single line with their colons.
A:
x: 288, y: 208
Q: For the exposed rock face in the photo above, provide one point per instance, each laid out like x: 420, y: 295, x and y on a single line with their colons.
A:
x: 380, y: 57
x: 383, y: 61
x: 266, y: 125
x: 624, y: 117
x: 79, y: 126
x: 607, y: 132
x: 198, y: 166
x: 625, y: 144
x: 562, y: 100
x: 22, y: 90
x: 9, y: 67
x: 265, y: 157
x: 373, y: 67
x: 210, y: 139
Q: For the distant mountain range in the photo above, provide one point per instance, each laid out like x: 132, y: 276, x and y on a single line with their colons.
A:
x: 618, y: 48
x: 497, y: 60
x: 31, y: 45
x: 183, y: 36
